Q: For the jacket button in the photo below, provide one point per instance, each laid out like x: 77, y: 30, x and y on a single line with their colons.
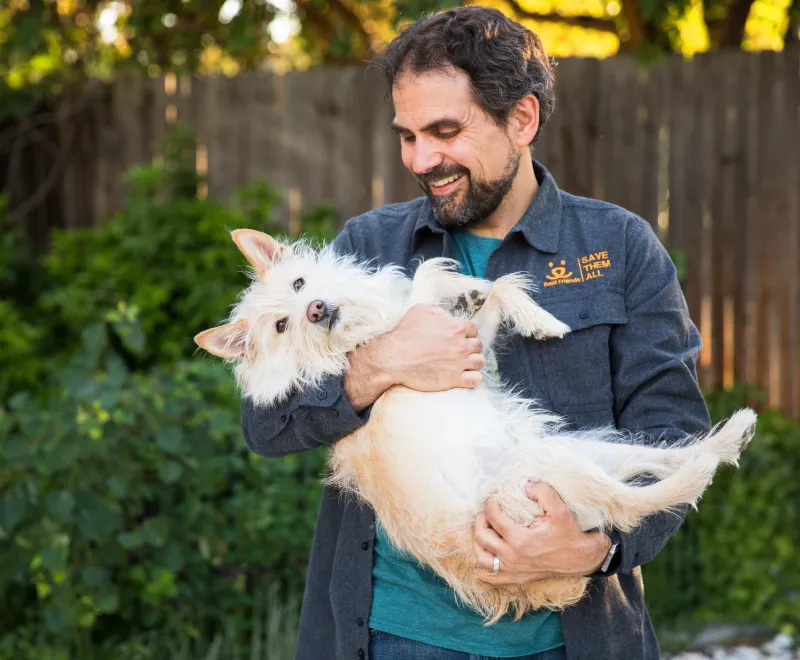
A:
x: 584, y: 314
x: 361, y: 654
x: 323, y: 395
x: 283, y: 419
x: 365, y: 546
x: 359, y: 622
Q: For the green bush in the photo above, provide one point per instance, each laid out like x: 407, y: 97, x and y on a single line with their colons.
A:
x: 736, y: 558
x: 129, y: 504
x: 168, y: 254
x: 20, y: 364
x: 133, y: 520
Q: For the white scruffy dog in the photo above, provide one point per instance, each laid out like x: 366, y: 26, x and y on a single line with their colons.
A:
x: 427, y: 461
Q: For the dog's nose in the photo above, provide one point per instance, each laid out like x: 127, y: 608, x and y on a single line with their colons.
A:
x: 317, y: 311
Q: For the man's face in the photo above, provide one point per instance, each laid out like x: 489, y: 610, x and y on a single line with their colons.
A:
x: 463, y: 161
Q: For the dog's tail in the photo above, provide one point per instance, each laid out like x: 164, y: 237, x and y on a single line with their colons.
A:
x: 727, y: 440
x: 629, y: 504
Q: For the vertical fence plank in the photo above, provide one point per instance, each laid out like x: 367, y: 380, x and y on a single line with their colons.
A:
x: 793, y: 173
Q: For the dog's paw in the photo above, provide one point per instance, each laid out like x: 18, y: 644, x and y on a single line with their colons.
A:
x: 747, y: 436
x: 551, y: 328
x: 466, y: 304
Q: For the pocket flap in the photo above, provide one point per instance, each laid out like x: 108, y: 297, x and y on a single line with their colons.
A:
x: 603, y: 308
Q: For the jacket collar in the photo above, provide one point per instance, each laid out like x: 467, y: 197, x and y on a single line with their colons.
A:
x: 540, y: 225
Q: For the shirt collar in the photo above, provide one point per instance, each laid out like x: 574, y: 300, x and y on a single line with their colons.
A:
x: 540, y: 224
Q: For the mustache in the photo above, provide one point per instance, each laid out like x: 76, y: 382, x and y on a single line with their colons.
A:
x: 441, y: 173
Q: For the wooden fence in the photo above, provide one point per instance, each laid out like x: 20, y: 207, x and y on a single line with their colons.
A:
x: 707, y: 150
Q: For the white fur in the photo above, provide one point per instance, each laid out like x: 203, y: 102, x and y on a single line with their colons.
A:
x: 427, y: 461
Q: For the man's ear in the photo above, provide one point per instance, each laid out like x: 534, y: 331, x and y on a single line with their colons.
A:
x: 226, y: 341
x: 527, y: 120
x: 260, y: 249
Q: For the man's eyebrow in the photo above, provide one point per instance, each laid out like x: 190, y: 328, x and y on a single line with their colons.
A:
x: 438, y: 124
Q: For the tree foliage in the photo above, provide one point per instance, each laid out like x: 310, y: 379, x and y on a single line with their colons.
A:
x: 48, y: 42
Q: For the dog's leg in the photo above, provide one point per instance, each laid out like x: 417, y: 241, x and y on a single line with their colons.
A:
x: 437, y: 282
x: 509, y: 302
x: 627, y: 461
x: 488, y: 304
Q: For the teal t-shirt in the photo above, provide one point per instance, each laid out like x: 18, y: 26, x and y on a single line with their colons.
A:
x: 411, y: 601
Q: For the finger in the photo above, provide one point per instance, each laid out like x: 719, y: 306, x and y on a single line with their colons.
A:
x: 496, y: 578
x: 484, y: 558
x: 470, y: 329
x: 470, y: 379
x: 501, y: 523
x: 473, y: 345
x: 475, y: 362
x: 488, y: 539
x: 546, y: 497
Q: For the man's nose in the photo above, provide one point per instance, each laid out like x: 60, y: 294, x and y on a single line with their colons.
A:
x: 425, y: 158
x: 317, y: 311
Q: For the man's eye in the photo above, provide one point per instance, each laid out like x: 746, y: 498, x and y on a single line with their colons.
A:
x: 280, y: 326
x: 447, y: 136
x: 299, y: 283
x: 408, y: 138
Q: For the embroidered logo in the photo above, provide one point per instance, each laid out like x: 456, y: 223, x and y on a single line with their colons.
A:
x: 560, y: 275
x: 590, y: 267
x: 593, y: 265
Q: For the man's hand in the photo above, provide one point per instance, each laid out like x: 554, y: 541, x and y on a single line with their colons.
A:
x: 429, y: 351
x: 553, y: 546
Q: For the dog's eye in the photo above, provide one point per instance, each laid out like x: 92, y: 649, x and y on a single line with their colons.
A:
x: 299, y: 283
x: 280, y: 326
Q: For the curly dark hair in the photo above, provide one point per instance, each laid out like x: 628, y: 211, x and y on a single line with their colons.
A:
x: 503, y: 60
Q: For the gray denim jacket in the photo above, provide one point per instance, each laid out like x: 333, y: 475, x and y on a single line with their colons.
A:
x: 630, y: 361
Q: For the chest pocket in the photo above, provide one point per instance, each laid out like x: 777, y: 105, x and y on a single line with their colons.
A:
x: 577, y: 368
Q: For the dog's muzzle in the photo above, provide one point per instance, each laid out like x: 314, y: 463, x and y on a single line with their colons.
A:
x: 322, y: 313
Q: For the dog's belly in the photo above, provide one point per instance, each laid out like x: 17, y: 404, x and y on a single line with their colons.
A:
x: 443, y: 449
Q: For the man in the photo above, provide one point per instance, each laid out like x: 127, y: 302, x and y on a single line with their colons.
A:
x: 471, y: 92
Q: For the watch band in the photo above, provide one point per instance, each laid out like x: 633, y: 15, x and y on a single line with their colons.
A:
x: 614, y: 536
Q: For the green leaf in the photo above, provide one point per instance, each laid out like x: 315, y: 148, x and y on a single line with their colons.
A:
x: 55, y: 619
x: 97, y: 519
x: 170, y: 438
x: 60, y: 505
x: 12, y: 511
x: 155, y: 531
x: 130, y: 540
x: 107, y: 603
x: 54, y: 558
x: 95, y: 576
x: 171, y: 472
x: 117, y: 486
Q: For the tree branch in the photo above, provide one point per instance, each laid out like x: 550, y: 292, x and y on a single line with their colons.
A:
x: 587, y: 22
x: 637, y: 28
x: 354, y: 21
x: 792, y: 35
x: 728, y: 32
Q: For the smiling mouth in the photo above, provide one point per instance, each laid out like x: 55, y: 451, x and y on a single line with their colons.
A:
x: 445, y: 185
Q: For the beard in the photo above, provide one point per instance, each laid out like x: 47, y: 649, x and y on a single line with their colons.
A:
x: 477, y: 202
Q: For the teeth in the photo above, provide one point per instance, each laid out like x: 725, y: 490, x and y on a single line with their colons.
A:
x: 444, y: 182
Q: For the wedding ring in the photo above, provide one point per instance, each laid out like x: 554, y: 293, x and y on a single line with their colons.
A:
x: 496, y: 566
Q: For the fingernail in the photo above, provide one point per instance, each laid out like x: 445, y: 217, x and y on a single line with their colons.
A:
x: 528, y: 484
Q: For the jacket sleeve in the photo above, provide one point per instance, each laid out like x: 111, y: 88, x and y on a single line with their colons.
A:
x: 654, y: 357
x: 305, y: 420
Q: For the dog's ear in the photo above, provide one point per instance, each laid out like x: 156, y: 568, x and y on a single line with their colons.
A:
x: 226, y: 341
x: 260, y: 249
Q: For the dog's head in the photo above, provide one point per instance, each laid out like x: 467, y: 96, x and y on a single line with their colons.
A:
x: 304, y: 311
